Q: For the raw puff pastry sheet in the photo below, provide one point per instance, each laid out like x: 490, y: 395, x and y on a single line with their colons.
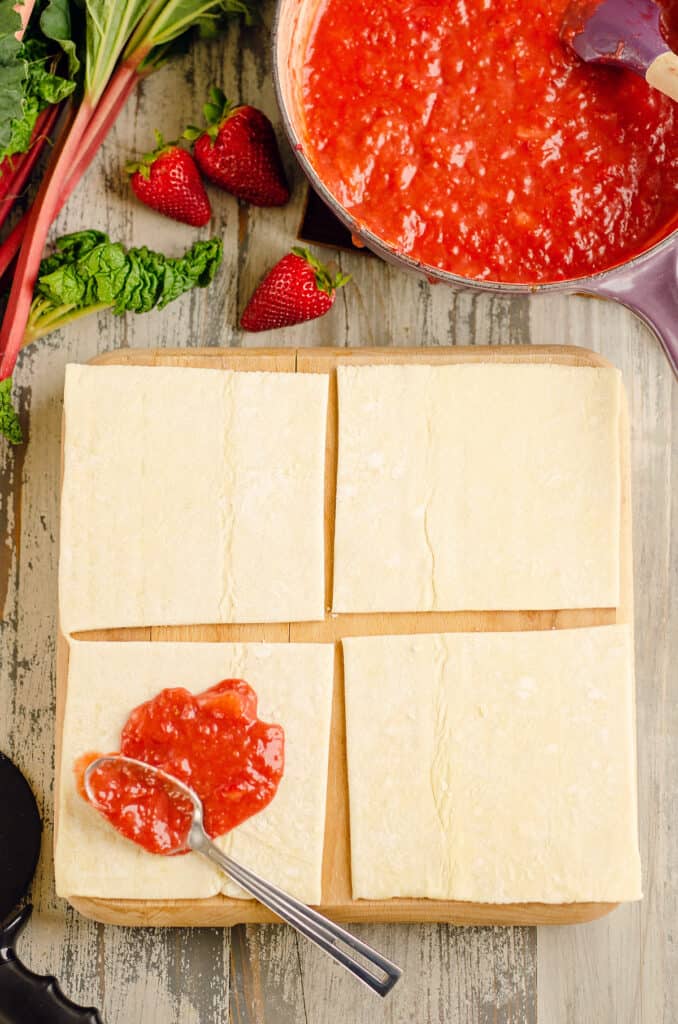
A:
x: 191, y: 496
x: 495, y: 767
x: 477, y: 487
x: 283, y: 843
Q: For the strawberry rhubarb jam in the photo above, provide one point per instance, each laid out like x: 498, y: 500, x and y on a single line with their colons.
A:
x: 467, y: 136
x: 213, y: 741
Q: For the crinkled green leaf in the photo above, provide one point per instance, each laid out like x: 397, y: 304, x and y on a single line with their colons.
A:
x: 65, y: 286
x: 53, y: 88
x: 86, y: 277
x: 143, y: 284
x: 9, y: 421
x: 55, y: 23
x: 88, y: 270
x: 10, y: 24
x: 42, y: 88
x: 13, y: 71
x: 22, y: 129
x: 70, y: 248
x: 29, y: 81
x: 196, y: 268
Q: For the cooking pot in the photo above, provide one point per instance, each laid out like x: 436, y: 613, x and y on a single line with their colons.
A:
x: 647, y: 283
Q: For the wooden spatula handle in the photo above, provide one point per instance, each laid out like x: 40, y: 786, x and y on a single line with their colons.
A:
x: 663, y: 73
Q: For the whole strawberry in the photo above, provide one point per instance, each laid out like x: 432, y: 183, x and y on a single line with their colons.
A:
x: 238, y: 151
x: 299, y: 288
x: 168, y: 181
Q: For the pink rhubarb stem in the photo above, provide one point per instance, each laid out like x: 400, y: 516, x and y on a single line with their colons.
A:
x: 40, y: 218
x: 15, y: 171
x: 111, y: 103
x: 24, y: 10
x: 11, y: 245
x: 108, y: 108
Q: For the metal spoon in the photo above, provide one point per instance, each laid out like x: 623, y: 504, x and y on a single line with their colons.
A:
x: 316, y: 927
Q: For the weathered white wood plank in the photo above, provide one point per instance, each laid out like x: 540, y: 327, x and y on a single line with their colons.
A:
x: 451, y: 975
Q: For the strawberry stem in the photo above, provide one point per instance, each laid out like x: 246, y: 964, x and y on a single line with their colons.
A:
x: 144, y: 165
x: 323, y: 277
x: 216, y: 111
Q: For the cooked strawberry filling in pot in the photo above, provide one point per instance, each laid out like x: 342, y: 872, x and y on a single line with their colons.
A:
x: 467, y: 137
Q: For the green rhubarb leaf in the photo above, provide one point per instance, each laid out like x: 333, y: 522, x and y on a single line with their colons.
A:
x: 9, y: 421
x: 53, y: 89
x: 195, y: 269
x: 142, y: 283
x: 21, y: 128
x: 13, y: 71
x: 42, y: 88
x: 10, y: 24
x: 88, y: 272
x: 43, y: 81
x: 55, y: 23
x: 70, y: 248
x: 29, y: 81
x: 155, y: 280
x: 85, y: 270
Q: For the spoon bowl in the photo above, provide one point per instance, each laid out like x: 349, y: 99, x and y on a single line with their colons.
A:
x: 174, y: 787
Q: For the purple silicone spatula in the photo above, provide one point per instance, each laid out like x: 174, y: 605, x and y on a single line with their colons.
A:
x: 625, y: 33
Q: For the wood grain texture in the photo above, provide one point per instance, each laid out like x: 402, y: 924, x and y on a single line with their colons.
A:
x: 337, y: 900
x: 451, y: 975
x: 621, y: 970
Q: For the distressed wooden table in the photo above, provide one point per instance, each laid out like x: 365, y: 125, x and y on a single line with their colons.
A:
x: 619, y: 970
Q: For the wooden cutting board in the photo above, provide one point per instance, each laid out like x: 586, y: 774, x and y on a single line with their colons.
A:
x: 336, y: 887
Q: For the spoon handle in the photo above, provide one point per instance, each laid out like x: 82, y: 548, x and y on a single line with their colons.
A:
x: 330, y: 937
x: 663, y: 74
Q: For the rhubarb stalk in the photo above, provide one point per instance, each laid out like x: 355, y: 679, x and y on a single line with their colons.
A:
x: 116, y: 95
x: 40, y: 218
x: 124, y: 42
x: 15, y: 171
x: 108, y: 29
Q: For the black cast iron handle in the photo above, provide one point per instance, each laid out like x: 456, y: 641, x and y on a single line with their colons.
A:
x: 28, y: 998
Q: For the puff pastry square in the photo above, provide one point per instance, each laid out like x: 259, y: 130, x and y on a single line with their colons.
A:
x: 283, y: 843
x: 495, y: 767
x: 477, y: 487
x: 191, y: 496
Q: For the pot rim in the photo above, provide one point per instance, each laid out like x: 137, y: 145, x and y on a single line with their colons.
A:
x: 590, y: 283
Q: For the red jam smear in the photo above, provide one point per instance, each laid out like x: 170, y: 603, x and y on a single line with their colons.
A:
x: 468, y: 137
x: 212, y: 741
